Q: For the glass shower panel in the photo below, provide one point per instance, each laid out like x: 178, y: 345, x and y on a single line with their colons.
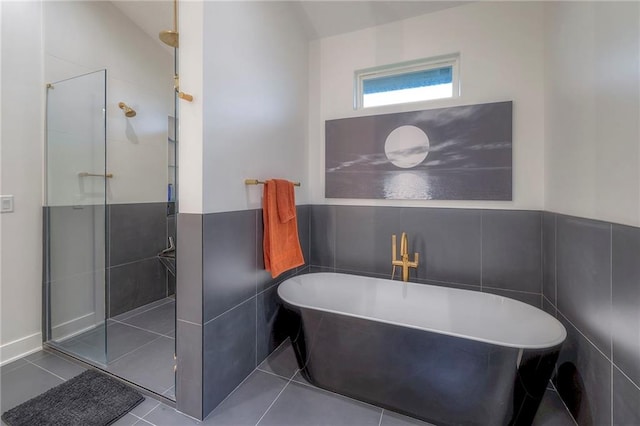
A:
x: 75, y: 216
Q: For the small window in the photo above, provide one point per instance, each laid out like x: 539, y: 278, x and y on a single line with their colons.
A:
x: 423, y: 80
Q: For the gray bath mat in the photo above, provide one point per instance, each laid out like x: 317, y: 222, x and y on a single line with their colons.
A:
x: 89, y: 399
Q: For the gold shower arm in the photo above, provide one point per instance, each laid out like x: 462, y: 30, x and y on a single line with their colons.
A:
x: 182, y: 95
x: 187, y: 97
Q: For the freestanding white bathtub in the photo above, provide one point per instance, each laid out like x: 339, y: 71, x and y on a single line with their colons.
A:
x: 447, y: 356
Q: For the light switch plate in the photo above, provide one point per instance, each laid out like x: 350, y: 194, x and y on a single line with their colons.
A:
x: 6, y: 203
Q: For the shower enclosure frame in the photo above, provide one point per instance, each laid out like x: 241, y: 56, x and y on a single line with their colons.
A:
x: 48, y: 335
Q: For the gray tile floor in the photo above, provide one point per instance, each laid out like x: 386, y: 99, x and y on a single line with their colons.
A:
x: 274, y: 394
x: 140, y: 346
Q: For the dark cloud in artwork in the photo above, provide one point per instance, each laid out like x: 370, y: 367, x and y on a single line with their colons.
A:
x: 477, y: 136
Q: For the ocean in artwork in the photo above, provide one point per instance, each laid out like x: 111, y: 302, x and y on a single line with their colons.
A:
x: 457, y: 153
x: 486, y: 184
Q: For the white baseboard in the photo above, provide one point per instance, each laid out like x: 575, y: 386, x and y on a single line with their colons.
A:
x: 72, y: 328
x: 18, y: 348
x: 33, y: 343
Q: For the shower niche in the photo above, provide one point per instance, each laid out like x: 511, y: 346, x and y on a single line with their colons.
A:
x: 109, y: 298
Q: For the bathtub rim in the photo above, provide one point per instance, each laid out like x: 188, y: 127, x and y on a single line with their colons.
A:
x: 545, y: 345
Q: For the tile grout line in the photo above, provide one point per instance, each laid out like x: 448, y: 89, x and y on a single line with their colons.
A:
x: 425, y: 281
x: 159, y: 305
x: 132, y: 262
x: 14, y: 368
x: 481, y: 254
x: 278, y: 375
x: 447, y: 284
x: 228, y: 310
x: 625, y: 375
x: 273, y: 402
x: 611, y: 313
x: 357, y: 401
x: 147, y: 413
x: 585, y: 337
x: 231, y: 393
x: 143, y: 329
x: 555, y: 262
x: 564, y: 405
x: 130, y: 352
x: 541, y: 257
x: 273, y: 351
x: 44, y: 369
x: 255, y: 259
x: 335, y: 237
x: 189, y: 322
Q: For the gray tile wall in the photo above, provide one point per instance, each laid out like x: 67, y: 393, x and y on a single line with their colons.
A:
x: 555, y: 262
x: 240, y: 314
x: 137, y: 233
x: 495, y: 251
x: 592, y: 283
x: 74, y: 264
x: 189, y: 318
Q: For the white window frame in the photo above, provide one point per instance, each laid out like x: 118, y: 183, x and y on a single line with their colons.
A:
x: 452, y: 60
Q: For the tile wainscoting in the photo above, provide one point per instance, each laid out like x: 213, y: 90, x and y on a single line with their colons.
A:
x: 592, y: 284
x: 494, y: 251
x: 584, y: 272
x: 227, y: 308
x: 137, y: 233
x: 93, y: 249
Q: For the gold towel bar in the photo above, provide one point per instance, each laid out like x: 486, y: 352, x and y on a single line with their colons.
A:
x: 85, y: 174
x: 259, y: 182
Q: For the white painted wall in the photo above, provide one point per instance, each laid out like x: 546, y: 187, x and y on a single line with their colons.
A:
x: 84, y: 36
x: 255, y: 101
x: 51, y: 41
x: 501, y: 59
x: 79, y: 38
x: 21, y: 139
x: 190, y: 127
x: 593, y: 110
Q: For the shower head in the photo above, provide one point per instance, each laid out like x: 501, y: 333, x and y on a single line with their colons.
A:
x: 169, y: 37
x: 129, y: 112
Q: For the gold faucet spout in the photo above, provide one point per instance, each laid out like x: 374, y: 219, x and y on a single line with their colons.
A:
x: 404, y: 245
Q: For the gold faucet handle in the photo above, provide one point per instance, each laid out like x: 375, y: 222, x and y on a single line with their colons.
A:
x: 393, y: 247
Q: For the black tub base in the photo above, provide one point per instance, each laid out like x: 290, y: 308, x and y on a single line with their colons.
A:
x: 434, y: 377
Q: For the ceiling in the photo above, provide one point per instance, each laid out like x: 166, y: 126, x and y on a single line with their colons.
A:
x: 329, y: 18
x: 320, y: 18
x: 152, y: 16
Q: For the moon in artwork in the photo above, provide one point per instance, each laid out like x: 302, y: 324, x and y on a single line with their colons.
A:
x: 406, y: 146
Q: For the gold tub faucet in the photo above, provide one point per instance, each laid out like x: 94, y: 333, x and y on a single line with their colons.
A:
x: 404, y: 257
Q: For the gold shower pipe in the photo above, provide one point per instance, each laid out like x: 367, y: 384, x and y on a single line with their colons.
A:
x: 259, y: 182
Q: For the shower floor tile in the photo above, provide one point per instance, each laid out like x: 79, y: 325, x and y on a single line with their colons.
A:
x: 160, y: 319
x: 150, y: 366
x: 121, y: 340
x: 140, y: 346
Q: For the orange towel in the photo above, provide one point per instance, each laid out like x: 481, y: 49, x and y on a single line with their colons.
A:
x: 281, y: 244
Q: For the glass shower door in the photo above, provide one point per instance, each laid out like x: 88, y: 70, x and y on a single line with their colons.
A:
x: 75, y: 219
